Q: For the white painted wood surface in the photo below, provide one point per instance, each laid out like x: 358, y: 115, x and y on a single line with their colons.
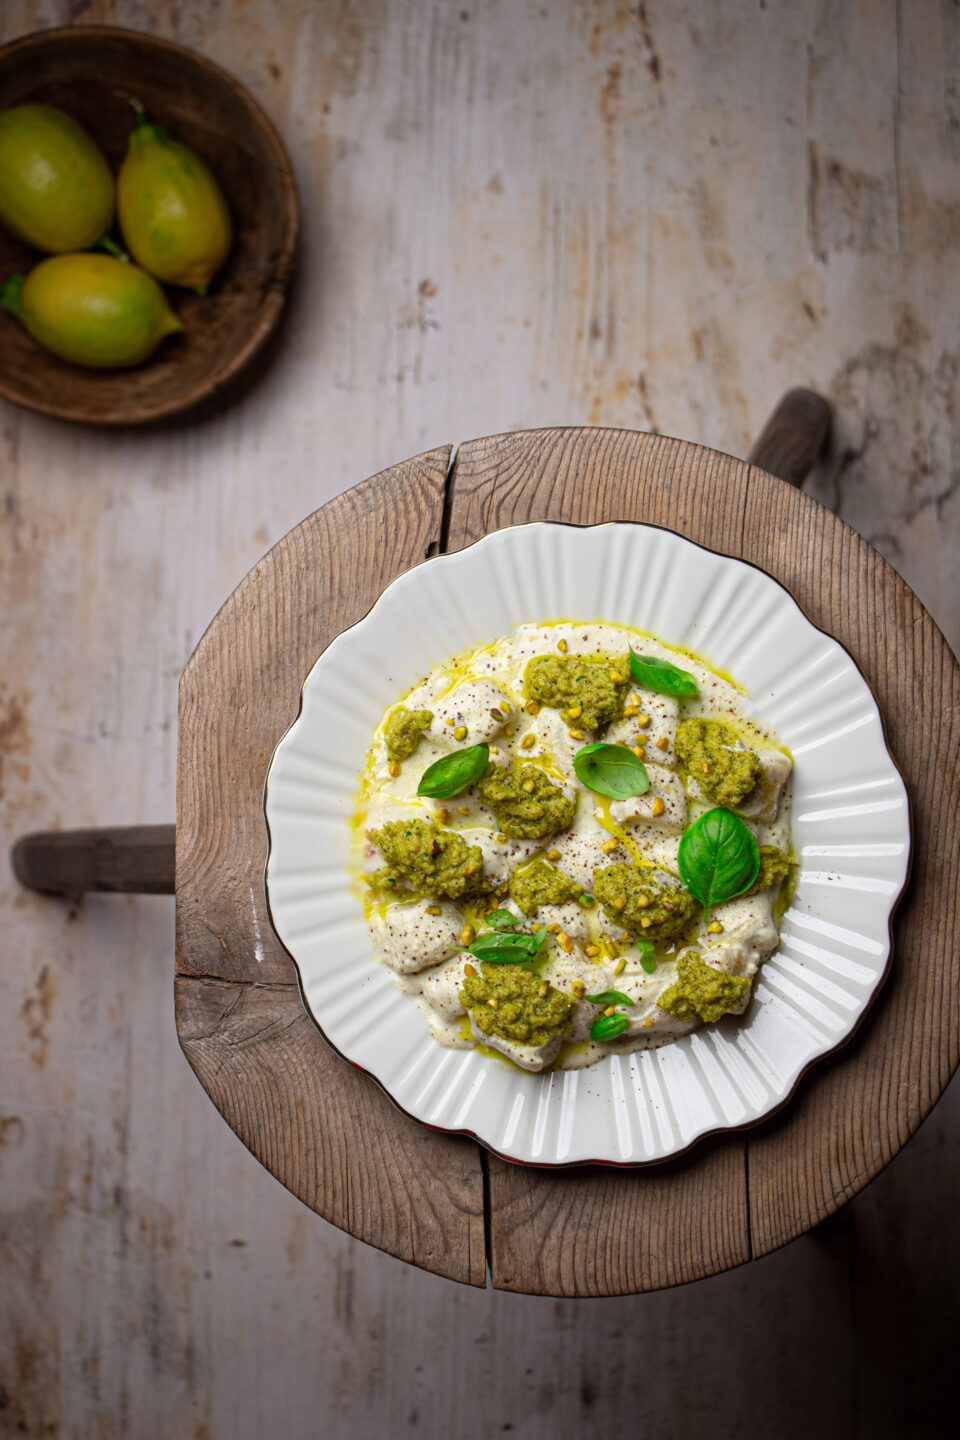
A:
x: 655, y: 215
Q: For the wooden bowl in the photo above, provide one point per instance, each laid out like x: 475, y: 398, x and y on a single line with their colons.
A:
x: 90, y: 71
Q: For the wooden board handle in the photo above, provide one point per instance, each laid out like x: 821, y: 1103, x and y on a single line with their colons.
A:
x: 791, y: 441
x: 136, y: 859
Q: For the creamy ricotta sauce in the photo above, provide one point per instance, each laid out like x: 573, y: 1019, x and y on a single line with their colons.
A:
x: 479, y: 698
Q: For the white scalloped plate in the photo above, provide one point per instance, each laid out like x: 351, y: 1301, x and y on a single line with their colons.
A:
x: 851, y: 828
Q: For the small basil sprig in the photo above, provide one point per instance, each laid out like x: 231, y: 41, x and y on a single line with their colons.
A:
x: 498, y: 947
x: 608, y: 1027
x: 647, y: 958
x: 453, y: 773
x: 609, y: 997
x: 611, y: 770
x: 500, y: 920
x: 661, y: 676
x: 718, y: 858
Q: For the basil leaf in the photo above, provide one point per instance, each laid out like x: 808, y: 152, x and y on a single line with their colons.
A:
x: 648, y: 960
x: 718, y: 857
x: 537, y: 940
x: 508, y: 955
x: 609, y: 997
x: 454, y: 772
x: 500, y: 920
x: 611, y: 770
x: 661, y: 676
x: 493, y: 940
x: 497, y: 947
x: 608, y: 1027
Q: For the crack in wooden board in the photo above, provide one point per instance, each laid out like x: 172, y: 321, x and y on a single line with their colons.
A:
x: 587, y: 1232
x: 328, y: 1132
x: 241, y: 690
x: 596, y: 1231
x: 323, y: 1128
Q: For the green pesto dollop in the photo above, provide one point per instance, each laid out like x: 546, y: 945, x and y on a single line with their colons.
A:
x: 581, y: 687
x: 774, y: 869
x: 702, y: 991
x: 526, y: 803
x: 540, y: 884
x: 710, y: 752
x: 402, y: 731
x: 647, y: 910
x: 522, y: 1014
x: 428, y: 860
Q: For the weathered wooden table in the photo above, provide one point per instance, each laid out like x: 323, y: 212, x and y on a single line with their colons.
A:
x: 326, y: 1130
x: 652, y: 216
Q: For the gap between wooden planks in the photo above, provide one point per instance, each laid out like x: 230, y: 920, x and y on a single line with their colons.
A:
x: 328, y: 1132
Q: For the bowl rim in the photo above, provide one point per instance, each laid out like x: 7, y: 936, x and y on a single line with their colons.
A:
x: 275, y: 296
x: 707, y: 1135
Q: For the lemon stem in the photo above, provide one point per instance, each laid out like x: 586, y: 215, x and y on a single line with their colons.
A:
x: 10, y: 293
x: 144, y: 130
x: 112, y: 248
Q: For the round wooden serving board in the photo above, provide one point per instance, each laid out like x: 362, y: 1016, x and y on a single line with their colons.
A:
x: 326, y: 1130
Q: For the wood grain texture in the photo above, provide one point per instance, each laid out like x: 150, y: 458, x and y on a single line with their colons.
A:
x: 855, y: 1112
x: 587, y: 476
x: 603, y: 1231
x: 715, y: 218
x: 858, y: 1109
x: 322, y: 1128
x: 241, y: 690
x: 91, y: 72
x: 329, y: 1133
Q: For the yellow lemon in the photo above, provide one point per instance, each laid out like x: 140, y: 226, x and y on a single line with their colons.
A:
x: 56, y: 190
x: 91, y: 310
x: 172, y: 212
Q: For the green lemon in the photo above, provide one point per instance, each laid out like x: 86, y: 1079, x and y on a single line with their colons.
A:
x: 56, y: 190
x: 91, y: 310
x: 172, y: 212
